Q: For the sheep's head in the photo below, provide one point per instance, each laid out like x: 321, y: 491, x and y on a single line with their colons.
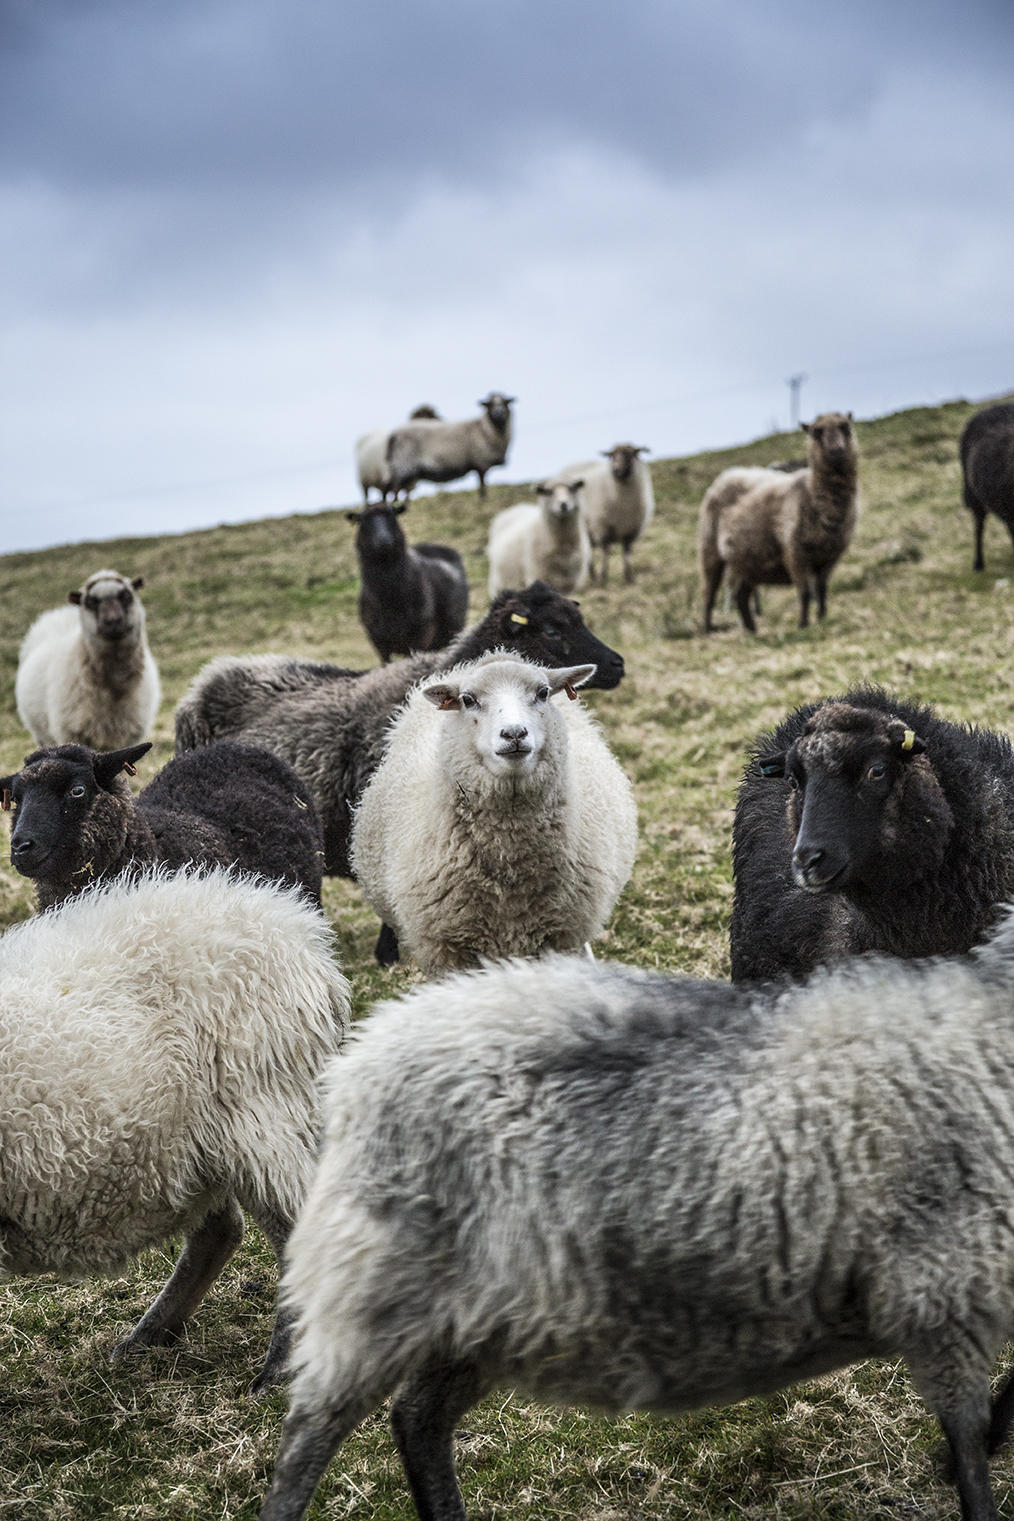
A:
x: 832, y: 437
x: 560, y: 498
x: 542, y: 625
x: 52, y: 797
x: 109, y: 609
x: 497, y: 408
x: 502, y: 713
x: 622, y: 458
x: 865, y: 810
x: 378, y: 532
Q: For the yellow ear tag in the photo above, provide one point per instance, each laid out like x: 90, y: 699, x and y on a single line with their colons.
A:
x: 518, y: 618
x: 909, y: 739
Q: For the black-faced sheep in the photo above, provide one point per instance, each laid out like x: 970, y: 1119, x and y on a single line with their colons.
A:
x: 498, y: 826
x: 435, y: 450
x: 769, y: 528
x: 541, y: 541
x: 867, y: 823
x: 410, y: 598
x: 610, y: 1188
x: 617, y: 501
x: 76, y: 822
x: 331, y: 724
x: 160, y: 1041
x: 371, y: 455
x: 987, y: 468
x: 85, y: 674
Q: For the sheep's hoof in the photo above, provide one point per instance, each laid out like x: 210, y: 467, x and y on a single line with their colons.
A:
x: 130, y: 1346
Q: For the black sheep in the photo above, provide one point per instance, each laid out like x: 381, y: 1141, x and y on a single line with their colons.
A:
x: 987, y: 468
x: 867, y: 823
x: 228, y: 804
x: 410, y: 597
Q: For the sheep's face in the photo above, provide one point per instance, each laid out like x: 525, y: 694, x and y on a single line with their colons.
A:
x: 560, y: 498
x: 542, y: 625
x: 833, y: 436
x: 497, y: 408
x: 109, y: 608
x: 379, y: 535
x: 52, y: 798
x: 622, y: 458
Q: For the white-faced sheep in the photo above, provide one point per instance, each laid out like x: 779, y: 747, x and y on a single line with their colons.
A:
x: 76, y: 822
x: 868, y: 823
x: 500, y: 825
x: 617, y: 501
x: 769, y: 528
x: 371, y: 456
x: 161, y: 1040
x: 606, y: 1187
x: 411, y: 597
x: 85, y: 674
x: 545, y: 540
x: 987, y: 469
x: 435, y: 450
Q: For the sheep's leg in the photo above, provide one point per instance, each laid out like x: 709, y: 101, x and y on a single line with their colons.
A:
x: 821, y: 583
x: 605, y: 564
x: 744, y: 592
x: 712, y: 581
x: 277, y: 1230
x: 1003, y: 1413
x: 482, y: 484
x: 205, y: 1253
x: 423, y: 1418
x: 978, y: 513
x: 955, y: 1386
x: 804, y: 604
x: 628, y: 569
x: 386, y: 949
x: 310, y: 1439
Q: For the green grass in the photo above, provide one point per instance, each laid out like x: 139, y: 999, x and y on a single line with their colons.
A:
x: 175, y: 1435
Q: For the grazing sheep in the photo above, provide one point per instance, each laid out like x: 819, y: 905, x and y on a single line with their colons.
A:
x: 617, y: 501
x: 331, y: 724
x: 502, y: 826
x: 435, y: 450
x: 771, y: 528
x: 545, y: 540
x: 85, y: 674
x: 226, y: 805
x: 161, y: 1040
x: 602, y: 1186
x: 409, y: 598
x: 867, y: 823
x: 987, y: 469
x: 371, y: 455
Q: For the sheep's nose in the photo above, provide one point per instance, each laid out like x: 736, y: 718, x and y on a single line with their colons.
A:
x: 514, y: 733
x: 807, y: 857
x: 21, y: 845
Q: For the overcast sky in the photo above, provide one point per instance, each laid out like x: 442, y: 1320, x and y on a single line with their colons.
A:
x: 234, y: 234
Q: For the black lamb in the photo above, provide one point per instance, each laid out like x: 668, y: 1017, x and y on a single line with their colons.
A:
x: 987, y: 468
x: 411, y: 597
x: 75, y: 820
x: 867, y: 823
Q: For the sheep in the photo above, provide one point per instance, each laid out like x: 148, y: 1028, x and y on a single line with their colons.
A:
x: 331, y: 724
x: 76, y: 822
x: 868, y: 823
x: 435, y: 450
x: 86, y: 675
x: 604, y: 1186
x: 987, y: 469
x: 371, y: 455
x: 499, y: 826
x: 771, y: 528
x: 409, y: 598
x: 545, y: 540
x: 618, y: 502
x: 161, y: 1039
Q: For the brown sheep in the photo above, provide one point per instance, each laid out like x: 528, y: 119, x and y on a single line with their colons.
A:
x: 772, y: 529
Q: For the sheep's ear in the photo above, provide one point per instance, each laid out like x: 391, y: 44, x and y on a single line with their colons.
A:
x: 805, y: 427
x: 75, y: 597
x: 906, y: 742
x: 576, y: 485
x: 544, y: 488
x: 398, y: 508
x: 773, y: 764
x: 569, y: 677
x: 353, y: 517
x: 442, y: 695
x: 137, y: 583
x: 643, y: 449
x: 110, y: 763
x: 849, y: 416
x: 6, y: 783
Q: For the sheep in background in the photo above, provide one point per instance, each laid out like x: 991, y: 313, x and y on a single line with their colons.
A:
x: 606, y: 1187
x: 332, y: 724
x: 868, y: 823
x: 85, y: 673
x: 501, y: 825
x: 410, y: 598
x: 987, y: 469
x: 545, y: 540
x: 76, y: 822
x: 371, y: 455
x: 617, y: 501
x: 161, y: 1041
x: 770, y: 528
x: 435, y: 450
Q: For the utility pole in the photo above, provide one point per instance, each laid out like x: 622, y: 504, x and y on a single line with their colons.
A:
x: 795, y: 385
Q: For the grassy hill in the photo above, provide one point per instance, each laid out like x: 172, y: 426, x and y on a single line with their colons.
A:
x: 176, y: 1436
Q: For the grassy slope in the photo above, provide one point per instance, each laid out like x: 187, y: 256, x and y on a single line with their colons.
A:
x: 176, y: 1437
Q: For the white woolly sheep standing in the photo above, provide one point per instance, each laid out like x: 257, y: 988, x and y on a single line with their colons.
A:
x: 769, y: 528
x: 160, y: 1041
x: 541, y: 541
x: 606, y: 1187
x: 435, y: 450
x: 371, y: 456
x: 500, y: 826
x: 85, y: 674
x: 617, y: 501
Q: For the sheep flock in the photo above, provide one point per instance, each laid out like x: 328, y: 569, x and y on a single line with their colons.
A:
x: 677, y: 1074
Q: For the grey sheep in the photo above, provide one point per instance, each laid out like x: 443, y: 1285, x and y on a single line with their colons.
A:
x: 987, y: 469
x: 436, y: 450
x: 411, y: 597
x: 371, y: 456
x: 772, y: 528
x: 603, y: 1186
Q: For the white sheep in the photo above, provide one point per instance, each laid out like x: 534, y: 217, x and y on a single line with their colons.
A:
x: 618, y: 501
x: 427, y: 449
x: 541, y: 541
x: 371, y: 455
x: 85, y: 673
x: 499, y: 826
x: 159, y: 1045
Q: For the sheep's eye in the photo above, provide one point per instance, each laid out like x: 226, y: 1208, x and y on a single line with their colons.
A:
x: 542, y: 695
x: 77, y: 791
x: 795, y: 782
x: 876, y: 772
x: 91, y: 604
x: 468, y: 701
